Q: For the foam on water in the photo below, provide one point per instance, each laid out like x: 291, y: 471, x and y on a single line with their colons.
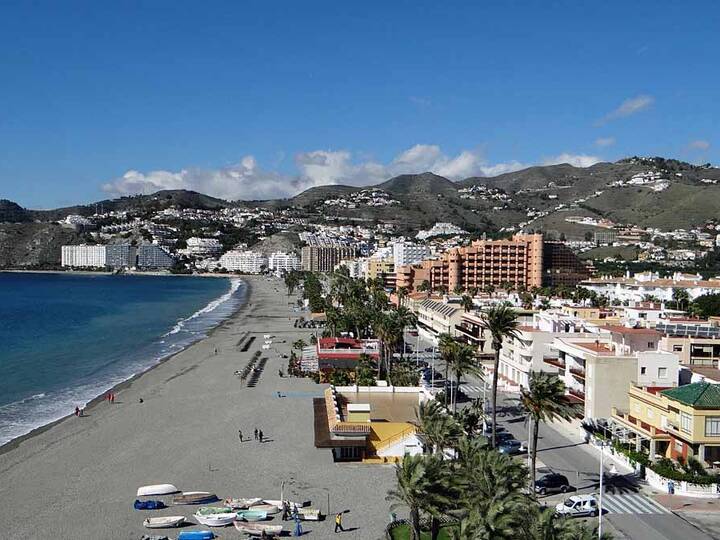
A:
x: 22, y: 416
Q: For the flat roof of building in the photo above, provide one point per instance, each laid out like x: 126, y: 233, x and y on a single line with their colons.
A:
x: 384, y: 406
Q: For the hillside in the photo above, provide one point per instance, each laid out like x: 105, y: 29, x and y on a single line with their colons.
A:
x: 33, y: 245
x: 11, y: 212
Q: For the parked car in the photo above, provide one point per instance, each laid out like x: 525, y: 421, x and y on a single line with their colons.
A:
x: 511, y: 447
x: 578, y: 506
x: 488, y: 430
x: 552, y: 483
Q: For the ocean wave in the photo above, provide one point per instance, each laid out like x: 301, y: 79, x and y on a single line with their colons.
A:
x: 22, y: 416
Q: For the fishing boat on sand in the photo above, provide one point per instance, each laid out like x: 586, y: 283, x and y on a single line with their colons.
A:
x: 279, y: 503
x: 252, y: 515
x: 257, y: 529
x: 194, y: 497
x: 216, y: 520
x: 241, y: 504
x: 156, y: 489
x: 267, y: 508
x: 196, y: 535
x: 163, y: 522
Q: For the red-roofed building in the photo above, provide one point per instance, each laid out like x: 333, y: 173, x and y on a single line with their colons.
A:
x: 344, y: 353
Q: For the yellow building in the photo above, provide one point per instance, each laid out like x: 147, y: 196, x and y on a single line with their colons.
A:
x: 675, y: 422
x: 383, y: 269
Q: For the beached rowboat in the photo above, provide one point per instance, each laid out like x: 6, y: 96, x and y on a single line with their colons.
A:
x: 279, y: 503
x: 157, y: 489
x: 252, y: 515
x: 241, y: 504
x: 194, y: 497
x: 163, y: 522
x: 216, y: 520
x: 256, y: 529
x: 267, y: 508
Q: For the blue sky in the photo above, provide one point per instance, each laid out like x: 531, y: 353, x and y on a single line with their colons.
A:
x: 260, y: 99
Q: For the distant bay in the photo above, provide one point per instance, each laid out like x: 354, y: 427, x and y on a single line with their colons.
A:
x: 65, y: 339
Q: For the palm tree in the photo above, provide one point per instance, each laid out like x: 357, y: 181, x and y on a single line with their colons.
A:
x: 410, y: 490
x: 299, y: 344
x: 467, y: 303
x: 402, y: 293
x: 424, y: 286
x: 680, y: 297
x: 446, y: 344
x: 544, y: 401
x: 424, y: 483
x: 501, y: 322
x: 462, y: 361
x: 437, y: 429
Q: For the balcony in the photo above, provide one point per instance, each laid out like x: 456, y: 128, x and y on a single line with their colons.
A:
x: 577, y: 393
x: 473, y: 332
x: 578, y: 372
x: 555, y: 362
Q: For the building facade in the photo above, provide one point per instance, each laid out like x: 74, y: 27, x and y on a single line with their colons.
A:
x: 83, y: 256
x: 203, y: 247
x: 152, y: 256
x: 121, y: 256
x: 282, y: 263
x: 325, y: 258
x: 248, y: 262
x: 405, y: 253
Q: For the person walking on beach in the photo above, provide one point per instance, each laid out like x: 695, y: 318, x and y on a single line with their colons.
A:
x: 256, y: 434
x: 77, y: 411
x: 240, y: 435
x: 260, y: 435
x: 338, y: 522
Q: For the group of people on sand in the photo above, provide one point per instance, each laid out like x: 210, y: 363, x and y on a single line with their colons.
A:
x: 257, y: 433
x: 110, y: 398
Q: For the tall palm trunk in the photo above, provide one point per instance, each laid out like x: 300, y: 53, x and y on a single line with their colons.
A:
x: 494, y: 395
x: 415, y: 523
x: 457, y: 389
x: 447, y: 371
x: 535, y: 430
x: 434, y: 528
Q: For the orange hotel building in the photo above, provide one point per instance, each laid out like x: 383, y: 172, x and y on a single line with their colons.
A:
x: 520, y: 261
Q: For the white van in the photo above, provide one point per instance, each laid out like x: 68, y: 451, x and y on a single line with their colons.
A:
x: 578, y: 505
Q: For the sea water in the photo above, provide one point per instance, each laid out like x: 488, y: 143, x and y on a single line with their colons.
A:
x: 65, y: 339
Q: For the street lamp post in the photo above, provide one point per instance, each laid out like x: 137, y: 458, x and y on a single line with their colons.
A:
x: 600, y: 501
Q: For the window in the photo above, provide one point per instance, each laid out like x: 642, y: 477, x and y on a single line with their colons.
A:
x: 651, y: 344
x: 677, y: 348
x: 643, y: 370
x: 712, y: 426
x: 649, y: 412
x: 662, y: 372
x: 686, y: 422
x: 636, y: 406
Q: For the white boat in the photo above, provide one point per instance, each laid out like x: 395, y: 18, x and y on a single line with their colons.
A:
x: 257, y: 529
x: 269, y: 509
x: 163, y: 522
x: 242, y: 504
x: 157, y: 489
x: 216, y: 520
x: 279, y: 503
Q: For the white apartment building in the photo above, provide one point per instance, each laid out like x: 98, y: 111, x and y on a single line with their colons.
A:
x: 248, y: 262
x: 440, y: 229
x: 281, y: 262
x: 531, y: 350
x: 405, y: 253
x: 203, y: 247
x: 598, y: 371
x: 357, y: 268
x: 83, y: 256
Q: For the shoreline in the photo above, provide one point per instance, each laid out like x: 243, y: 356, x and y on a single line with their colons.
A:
x: 98, y: 273
x: 127, y: 383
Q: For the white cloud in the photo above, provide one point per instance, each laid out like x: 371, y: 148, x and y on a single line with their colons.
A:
x: 576, y: 160
x: 247, y: 180
x: 627, y: 108
x: 602, y: 142
x: 699, y: 145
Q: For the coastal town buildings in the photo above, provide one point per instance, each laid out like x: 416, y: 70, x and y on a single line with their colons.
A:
x: 325, y: 258
x: 203, y: 247
x: 440, y: 229
x: 151, y: 257
x: 83, y: 256
x: 280, y: 262
x: 405, y: 253
x: 641, y: 285
x: 248, y: 262
x: 121, y: 256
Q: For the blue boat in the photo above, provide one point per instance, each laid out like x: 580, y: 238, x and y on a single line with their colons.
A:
x: 196, y: 535
x: 148, y: 505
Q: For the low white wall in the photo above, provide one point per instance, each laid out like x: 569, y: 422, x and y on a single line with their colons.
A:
x: 684, y: 489
x: 407, y: 445
x: 379, y: 389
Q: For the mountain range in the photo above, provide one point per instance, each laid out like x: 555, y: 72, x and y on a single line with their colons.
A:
x: 648, y: 192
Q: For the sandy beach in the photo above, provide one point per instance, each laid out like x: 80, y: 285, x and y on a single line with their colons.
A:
x: 78, y: 478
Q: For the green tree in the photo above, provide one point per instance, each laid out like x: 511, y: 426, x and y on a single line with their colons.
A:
x: 365, y: 371
x: 402, y: 294
x: 424, y: 286
x: 467, y: 303
x: 436, y: 428
x: 501, y: 322
x: 544, y: 401
x: 681, y: 298
x: 299, y: 344
x: 462, y: 361
x: 707, y: 305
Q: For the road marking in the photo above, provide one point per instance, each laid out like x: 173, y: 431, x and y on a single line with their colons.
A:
x: 468, y: 389
x: 632, y: 504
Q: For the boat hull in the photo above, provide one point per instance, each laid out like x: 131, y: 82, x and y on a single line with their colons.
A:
x: 165, y: 522
x: 252, y: 515
x: 157, y: 489
x: 256, y: 529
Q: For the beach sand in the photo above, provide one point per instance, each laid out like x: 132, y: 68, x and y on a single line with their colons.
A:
x: 78, y: 478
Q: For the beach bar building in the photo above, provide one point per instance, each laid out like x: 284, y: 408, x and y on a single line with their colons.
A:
x: 371, y: 424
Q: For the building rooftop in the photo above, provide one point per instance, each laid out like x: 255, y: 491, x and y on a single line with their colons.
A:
x: 626, y: 330
x: 384, y: 406
x: 706, y: 371
x: 701, y: 395
x: 594, y: 346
